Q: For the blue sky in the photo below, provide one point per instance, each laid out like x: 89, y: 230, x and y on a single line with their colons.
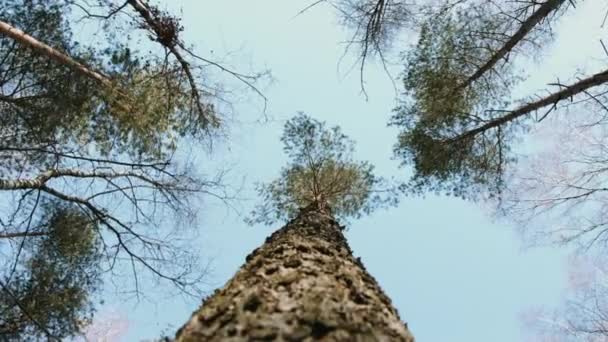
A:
x: 453, y: 274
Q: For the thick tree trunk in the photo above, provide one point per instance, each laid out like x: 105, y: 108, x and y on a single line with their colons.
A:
x: 302, y: 284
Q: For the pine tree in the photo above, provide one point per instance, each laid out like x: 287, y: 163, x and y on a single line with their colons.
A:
x: 304, y: 282
x: 459, y: 121
x: 48, y: 296
x: 92, y: 124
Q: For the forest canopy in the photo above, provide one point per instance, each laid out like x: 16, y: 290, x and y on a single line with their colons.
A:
x: 90, y: 127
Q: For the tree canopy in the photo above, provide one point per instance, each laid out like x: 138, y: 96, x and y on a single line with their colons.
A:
x: 90, y: 133
x: 457, y: 79
x: 92, y: 123
x: 460, y: 123
x: 49, y: 294
x: 113, y: 99
x: 321, y: 170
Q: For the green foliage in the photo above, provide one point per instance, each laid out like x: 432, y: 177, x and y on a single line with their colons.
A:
x: 41, y: 102
x: 95, y: 123
x: 103, y: 119
x: 321, y: 171
x: 147, y: 107
x: 438, y: 107
x: 51, y: 293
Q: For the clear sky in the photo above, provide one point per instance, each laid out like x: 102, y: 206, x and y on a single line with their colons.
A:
x: 453, y: 274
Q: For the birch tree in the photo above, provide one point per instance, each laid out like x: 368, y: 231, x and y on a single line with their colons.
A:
x: 583, y: 314
x: 558, y: 194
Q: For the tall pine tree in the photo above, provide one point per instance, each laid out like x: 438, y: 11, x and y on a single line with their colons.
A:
x: 304, y: 283
x: 91, y: 122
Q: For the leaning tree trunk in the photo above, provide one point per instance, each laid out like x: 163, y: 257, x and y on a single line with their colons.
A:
x: 46, y: 50
x: 303, y: 283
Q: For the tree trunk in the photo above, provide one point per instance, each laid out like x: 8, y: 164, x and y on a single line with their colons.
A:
x: 44, y: 49
x: 302, y: 284
x: 526, y: 26
x: 25, y: 39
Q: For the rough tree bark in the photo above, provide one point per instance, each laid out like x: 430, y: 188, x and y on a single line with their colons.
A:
x: 302, y: 284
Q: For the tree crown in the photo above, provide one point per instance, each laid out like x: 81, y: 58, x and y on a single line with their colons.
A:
x: 321, y: 170
x: 49, y: 295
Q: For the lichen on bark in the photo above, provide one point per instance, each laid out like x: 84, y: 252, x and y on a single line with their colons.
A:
x: 302, y: 284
